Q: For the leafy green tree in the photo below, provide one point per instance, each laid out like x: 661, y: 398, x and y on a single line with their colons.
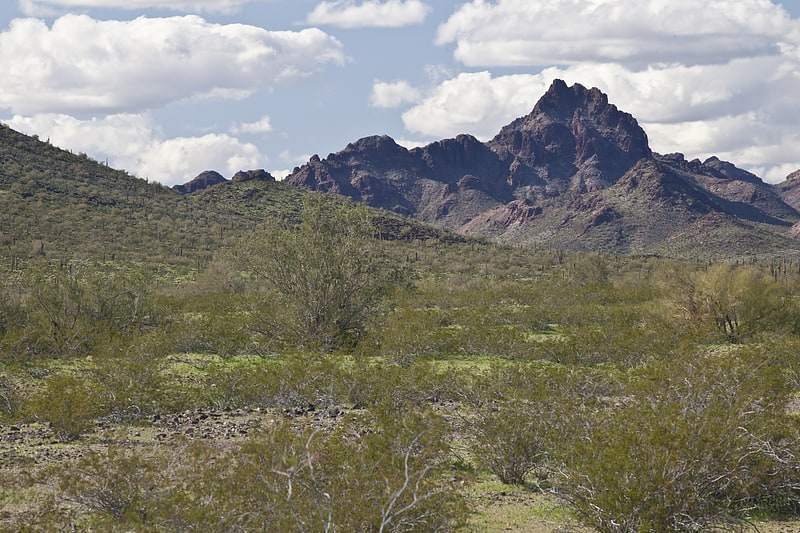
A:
x: 328, y: 274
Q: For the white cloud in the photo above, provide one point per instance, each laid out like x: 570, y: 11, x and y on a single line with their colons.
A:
x: 369, y: 13
x: 36, y: 8
x: 133, y: 142
x: 474, y: 103
x: 181, y: 159
x: 631, y: 32
x: 262, y: 125
x: 148, y: 62
x: 393, y: 94
x: 411, y: 144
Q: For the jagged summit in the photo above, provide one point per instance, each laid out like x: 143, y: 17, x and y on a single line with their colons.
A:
x: 202, y: 181
x: 572, y: 130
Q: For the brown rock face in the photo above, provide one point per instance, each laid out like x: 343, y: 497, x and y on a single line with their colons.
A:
x: 568, y: 128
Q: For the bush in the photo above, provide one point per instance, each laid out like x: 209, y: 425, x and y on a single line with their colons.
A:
x: 373, y: 474
x: 130, y: 377
x: 698, y: 444
x: 512, y: 441
x: 69, y: 404
x: 114, y: 484
x: 328, y: 274
x: 67, y: 312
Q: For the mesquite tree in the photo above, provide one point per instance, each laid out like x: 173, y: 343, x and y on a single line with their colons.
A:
x: 327, y: 275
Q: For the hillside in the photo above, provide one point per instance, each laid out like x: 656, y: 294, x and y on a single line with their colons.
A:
x: 60, y: 205
x: 576, y: 173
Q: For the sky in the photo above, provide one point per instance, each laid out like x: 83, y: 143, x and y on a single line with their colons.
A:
x: 166, y: 89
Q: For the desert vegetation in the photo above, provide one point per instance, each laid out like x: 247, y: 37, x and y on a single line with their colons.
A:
x: 310, y: 367
x: 638, y: 413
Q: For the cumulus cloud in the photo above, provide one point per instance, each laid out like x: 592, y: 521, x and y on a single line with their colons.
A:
x: 630, y: 32
x: 262, y: 125
x: 135, y: 143
x: 37, y: 8
x: 181, y: 159
x: 393, y: 94
x: 475, y: 103
x: 369, y: 13
x: 146, y: 63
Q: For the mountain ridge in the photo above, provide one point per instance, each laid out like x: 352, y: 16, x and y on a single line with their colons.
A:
x: 576, y: 172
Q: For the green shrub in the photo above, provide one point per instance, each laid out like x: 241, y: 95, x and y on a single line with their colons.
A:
x: 115, y: 485
x: 328, y: 275
x: 512, y: 441
x: 698, y: 444
x: 130, y: 377
x: 401, y: 389
x: 381, y: 473
x: 69, y: 404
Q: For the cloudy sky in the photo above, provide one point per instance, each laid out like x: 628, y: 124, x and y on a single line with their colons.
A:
x: 168, y: 88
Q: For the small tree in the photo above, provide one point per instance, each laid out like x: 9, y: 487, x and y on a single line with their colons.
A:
x: 738, y: 301
x: 327, y: 274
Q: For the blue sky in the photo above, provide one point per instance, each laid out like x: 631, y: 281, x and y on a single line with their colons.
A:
x: 168, y: 88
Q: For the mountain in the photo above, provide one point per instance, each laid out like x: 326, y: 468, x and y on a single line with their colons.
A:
x: 577, y: 173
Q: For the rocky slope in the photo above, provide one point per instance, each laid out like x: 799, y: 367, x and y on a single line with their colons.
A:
x: 576, y: 173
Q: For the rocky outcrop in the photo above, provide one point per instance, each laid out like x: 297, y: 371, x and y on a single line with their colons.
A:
x: 203, y: 180
x: 209, y: 178
x: 789, y: 190
x: 571, y: 130
x: 250, y: 175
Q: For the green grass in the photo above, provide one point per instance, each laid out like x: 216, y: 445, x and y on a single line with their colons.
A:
x: 514, y: 508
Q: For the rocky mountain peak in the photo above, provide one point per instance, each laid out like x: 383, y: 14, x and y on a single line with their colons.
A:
x: 561, y: 102
x: 376, y: 148
x: 202, y: 181
x: 574, y: 126
x: 576, y: 171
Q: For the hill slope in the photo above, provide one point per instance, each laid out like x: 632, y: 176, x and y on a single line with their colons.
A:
x: 64, y: 206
